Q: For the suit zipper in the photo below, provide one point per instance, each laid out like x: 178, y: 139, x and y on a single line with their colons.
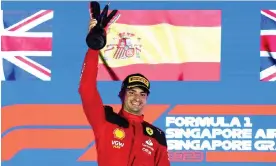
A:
x: 132, y: 144
x: 133, y: 161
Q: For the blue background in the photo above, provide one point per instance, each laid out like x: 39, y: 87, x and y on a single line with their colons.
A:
x: 239, y: 68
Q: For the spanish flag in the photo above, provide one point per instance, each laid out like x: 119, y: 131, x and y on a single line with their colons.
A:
x: 163, y: 45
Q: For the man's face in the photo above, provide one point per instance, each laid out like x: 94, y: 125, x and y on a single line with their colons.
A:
x: 134, y: 101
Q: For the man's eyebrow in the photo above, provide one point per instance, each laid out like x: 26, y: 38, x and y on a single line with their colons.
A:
x: 143, y: 92
x: 133, y: 90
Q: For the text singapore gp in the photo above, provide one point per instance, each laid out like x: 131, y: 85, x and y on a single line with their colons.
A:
x: 196, y: 136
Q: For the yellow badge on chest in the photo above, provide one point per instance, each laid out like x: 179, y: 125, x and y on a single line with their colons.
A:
x: 119, y: 133
x: 149, y: 131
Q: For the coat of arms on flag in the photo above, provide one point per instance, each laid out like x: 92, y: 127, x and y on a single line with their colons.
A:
x: 268, y: 46
x: 26, y: 45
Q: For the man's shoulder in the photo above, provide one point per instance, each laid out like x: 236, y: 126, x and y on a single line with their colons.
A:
x: 155, y: 132
x: 160, y: 131
x: 114, y: 118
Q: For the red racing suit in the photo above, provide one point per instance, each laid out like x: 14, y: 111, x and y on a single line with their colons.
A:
x: 121, y: 139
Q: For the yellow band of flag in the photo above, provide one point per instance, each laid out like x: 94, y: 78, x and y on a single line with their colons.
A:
x: 161, y: 43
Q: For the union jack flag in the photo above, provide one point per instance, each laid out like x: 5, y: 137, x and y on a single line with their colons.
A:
x: 268, y: 46
x: 26, y: 45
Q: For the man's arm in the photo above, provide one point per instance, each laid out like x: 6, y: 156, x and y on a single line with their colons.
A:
x: 162, y: 158
x: 95, y: 40
x: 91, y: 100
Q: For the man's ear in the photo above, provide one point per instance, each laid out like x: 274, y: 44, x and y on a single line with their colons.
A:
x: 122, y: 95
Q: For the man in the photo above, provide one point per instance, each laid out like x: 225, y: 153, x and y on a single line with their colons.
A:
x: 123, y: 139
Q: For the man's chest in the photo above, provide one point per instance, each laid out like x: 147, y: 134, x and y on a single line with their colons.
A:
x: 136, y: 139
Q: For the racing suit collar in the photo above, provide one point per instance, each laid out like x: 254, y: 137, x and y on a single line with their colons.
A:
x: 131, y: 117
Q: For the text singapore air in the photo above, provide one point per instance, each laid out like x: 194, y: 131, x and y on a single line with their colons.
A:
x: 192, y: 128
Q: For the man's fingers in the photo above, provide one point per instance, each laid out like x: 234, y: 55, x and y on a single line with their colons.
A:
x: 95, y: 9
x: 111, y: 15
x: 92, y: 24
x: 104, y: 13
x: 103, y: 17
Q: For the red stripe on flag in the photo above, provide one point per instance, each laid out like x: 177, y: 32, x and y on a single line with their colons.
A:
x: 33, y: 66
x: 195, y: 18
x: 11, y: 43
x: 30, y: 20
x: 272, y: 14
x: 268, y: 43
x: 192, y: 71
x: 268, y: 78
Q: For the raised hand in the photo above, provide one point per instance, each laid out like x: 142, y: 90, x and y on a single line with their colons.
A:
x: 96, y: 38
